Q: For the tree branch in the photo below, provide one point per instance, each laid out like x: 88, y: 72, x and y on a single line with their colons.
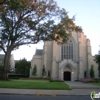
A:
x: 2, y: 49
x: 19, y: 44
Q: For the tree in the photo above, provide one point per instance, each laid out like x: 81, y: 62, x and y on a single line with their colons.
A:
x: 97, y: 60
x: 23, y: 67
x: 1, y: 70
x: 92, y: 72
x: 25, y: 22
x: 43, y: 71
x: 34, y: 72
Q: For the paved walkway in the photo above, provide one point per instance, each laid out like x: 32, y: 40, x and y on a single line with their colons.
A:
x: 78, y: 88
x: 80, y: 85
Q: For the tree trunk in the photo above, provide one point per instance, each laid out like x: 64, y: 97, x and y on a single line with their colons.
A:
x: 6, y: 65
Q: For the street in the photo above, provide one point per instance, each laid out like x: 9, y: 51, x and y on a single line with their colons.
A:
x: 32, y: 97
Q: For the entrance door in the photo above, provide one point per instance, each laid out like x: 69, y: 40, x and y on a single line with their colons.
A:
x: 67, y: 76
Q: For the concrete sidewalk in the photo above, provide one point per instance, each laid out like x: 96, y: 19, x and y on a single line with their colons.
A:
x: 48, y: 92
x: 80, y: 85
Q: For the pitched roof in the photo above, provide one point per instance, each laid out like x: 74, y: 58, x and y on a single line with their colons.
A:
x: 38, y: 52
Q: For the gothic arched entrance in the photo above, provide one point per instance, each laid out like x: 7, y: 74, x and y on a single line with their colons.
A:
x: 67, y: 73
x: 67, y: 76
x: 67, y: 70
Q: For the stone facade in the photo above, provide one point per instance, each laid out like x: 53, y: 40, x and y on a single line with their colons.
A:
x: 71, y: 61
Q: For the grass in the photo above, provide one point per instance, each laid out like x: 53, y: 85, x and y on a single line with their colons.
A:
x: 34, y: 84
x: 95, y: 83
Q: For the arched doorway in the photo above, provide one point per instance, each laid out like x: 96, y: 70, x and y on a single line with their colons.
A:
x: 67, y: 73
x: 67, y: 76
x: 67, y: 68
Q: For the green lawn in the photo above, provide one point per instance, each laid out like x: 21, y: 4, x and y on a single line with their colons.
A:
x: 34, y: 84
x: 95, y: 83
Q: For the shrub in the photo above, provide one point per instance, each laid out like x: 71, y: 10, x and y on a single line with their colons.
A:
x: 14, y: 77
x: 34, y: 70
x: 55, y: 80
x: 92, y: 72
x: 86, y: 80
x: 97, y: 81
x: 43, y: 71
x: 51, y: 80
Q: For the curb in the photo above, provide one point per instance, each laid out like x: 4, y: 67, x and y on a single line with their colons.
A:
x: 84, y: 87
x: 52, y: 95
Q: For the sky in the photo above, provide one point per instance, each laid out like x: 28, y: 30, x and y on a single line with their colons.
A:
x: 87, y: 16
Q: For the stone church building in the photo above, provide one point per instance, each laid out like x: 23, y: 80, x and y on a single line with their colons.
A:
x: 71, y: 61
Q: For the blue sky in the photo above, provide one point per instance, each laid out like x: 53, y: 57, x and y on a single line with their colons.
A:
x: 87, y: 16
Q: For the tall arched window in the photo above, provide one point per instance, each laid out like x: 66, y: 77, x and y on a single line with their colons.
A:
x: 67, y: 50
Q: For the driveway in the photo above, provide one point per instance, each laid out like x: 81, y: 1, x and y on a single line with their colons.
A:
x: 80, y: 85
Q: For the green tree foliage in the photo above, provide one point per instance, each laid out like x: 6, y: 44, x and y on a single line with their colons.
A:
x: 43, y: 71
x: 25, y: 22
x: 97, y: 60
x: 92, y: 72
x: 1, y: 67
x: 34, y: 72
x: 23, y: 67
